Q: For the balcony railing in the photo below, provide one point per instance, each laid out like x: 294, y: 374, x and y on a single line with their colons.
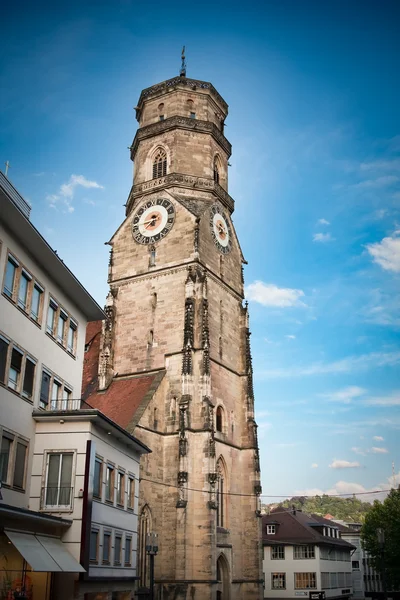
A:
x: 70, y: 404
x: 57, y: 497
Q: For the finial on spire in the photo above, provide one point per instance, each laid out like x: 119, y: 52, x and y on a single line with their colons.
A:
x: 182, y: 72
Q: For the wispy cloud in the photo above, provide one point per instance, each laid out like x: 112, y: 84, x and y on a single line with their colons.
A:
x: 323, y: 222
x: 345, y: 395
x: 269, y: 294
x: 379, y: 182
x: 345, y: 365
x: 386, y: 253
x: 314, y: 466
x: 389, y: 400
x: 378, y: 438
x: 358, y: 451
x: 379, y: 450
x: 323, y: 237
x: 344, y: 464
x: 290, y: 337
x: 66, y: 192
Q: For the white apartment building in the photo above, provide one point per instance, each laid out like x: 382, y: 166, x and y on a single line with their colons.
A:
x: 68, y: 474
x: 304, y: 554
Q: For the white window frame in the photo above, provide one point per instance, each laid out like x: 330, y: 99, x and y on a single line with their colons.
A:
x: 58, y: 507
x: 271, y: 529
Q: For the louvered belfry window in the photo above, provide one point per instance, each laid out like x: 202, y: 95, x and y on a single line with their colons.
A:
x: 160, y: 164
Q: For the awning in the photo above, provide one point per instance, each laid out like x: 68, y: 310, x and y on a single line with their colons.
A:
x: 44, y: 553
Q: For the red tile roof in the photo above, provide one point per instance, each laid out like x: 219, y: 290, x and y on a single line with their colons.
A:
x: 125, y: 399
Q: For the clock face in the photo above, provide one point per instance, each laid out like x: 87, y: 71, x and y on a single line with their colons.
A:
x: 220, y: 229
x: 152, y: 221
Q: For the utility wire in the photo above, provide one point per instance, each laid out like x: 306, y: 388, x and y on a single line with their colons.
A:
x: 171, y: 485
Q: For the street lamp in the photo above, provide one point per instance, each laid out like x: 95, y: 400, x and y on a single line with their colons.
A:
x: 380, y: 534
x: 151, y: 549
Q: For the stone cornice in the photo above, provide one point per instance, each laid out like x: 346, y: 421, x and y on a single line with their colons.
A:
x: 178, y: 122
x: 184, y: 82
x: 180, y: 180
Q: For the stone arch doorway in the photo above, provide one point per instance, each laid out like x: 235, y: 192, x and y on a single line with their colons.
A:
x: 223, y: 579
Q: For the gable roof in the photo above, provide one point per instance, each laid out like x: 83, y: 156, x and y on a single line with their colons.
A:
x: 296, y: 527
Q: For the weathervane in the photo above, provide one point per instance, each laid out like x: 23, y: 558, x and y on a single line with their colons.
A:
x: 182, y: 72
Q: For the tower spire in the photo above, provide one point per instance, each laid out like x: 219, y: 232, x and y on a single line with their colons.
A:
x: 182, y: 72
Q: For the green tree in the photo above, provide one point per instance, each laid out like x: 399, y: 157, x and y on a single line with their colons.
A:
x: 385, y: 515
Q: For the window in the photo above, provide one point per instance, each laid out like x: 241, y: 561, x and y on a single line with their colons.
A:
x: 58, y: 491
x: 192, y: 115
x: 305, y: 581
x: 325, y: 581
x: 98, y: 471
x: 106, y: 546
x: 278, y: 552
x: 216, y: 170
x: 94, y: 545
x: 23, y: 289
x: 19, y: 465
x: 61, y: 326
x: 278, y: 581
x: 9, y: 280
x: 4, y: 346
x: 271, y: 530
x: 219, y: 415
x: 333, y: 580
x: 128, y: 551
x: 131, y: 492
x: 304, y: 552
x: 117, y: 549
x: 160, y: 164
x: 161, y: 113
x: 36, y: 302
x: 162, y: 117
x: 355, y: 564
x: 6, y: 446
x: 221, y: 495
x: 110, y: 484
x: 325, y: 553
x: 120, y: 487
x: 27, y: 387
x: 71, y: 336
x: 14, y: 373
x: 60, y: 393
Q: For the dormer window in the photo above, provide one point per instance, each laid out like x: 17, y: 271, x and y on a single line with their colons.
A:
x: 271, y: 529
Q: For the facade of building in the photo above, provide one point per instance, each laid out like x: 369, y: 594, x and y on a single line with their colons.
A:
x: 172, y: 360
x: 302, y: 554
x: 69, y: 475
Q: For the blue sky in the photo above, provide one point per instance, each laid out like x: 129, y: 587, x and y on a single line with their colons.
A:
x: 313, y: 92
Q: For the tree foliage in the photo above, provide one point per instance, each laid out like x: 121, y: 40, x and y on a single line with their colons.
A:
x: 351, y: 510
x: 385, y: 515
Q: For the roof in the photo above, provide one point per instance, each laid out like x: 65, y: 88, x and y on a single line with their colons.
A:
x: 14, y: 212
x: 296, y: 527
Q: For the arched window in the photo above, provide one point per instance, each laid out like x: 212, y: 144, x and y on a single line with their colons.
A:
x: 161, y: 111
x: 144, y: 529
x: 222, y: 578
x: 219, y: 419
x: 221, y: 493
x: 191, y: 109
x: 216, y: 169
x: 152, y: 257
x: 160, y: 164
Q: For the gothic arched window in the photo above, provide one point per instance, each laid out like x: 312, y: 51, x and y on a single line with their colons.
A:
x: 219, y: 419
x: 160, y: 164
x: 216, y: 169
x: 144, y: 529
x: 221, y: 493
x: 161, y: 114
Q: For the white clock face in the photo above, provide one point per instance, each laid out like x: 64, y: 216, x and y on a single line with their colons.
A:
x: 221, y: 230
x: 153, y: 221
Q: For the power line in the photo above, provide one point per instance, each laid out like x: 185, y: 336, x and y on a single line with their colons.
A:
x: 171, y: 485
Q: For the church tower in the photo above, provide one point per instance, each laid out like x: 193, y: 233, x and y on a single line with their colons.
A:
x: 174, y: 358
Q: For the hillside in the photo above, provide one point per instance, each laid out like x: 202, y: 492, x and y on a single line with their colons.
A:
x: 351, y: 510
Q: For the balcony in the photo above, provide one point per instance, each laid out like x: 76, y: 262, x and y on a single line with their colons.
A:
x: 57, y: 498
x: 70, y: 404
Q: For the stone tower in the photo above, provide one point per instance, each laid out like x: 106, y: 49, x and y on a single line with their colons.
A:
x: 174, y: 352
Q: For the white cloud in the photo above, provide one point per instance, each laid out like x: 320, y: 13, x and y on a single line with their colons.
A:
x: 66, y: 192
x: 358, y: 450
x: 345, y: 365
x: 323, y: 222
x: 269, y: 294
x: 376, y: 450
x: 344, y: 464
x: 379, y: 182
x: 290, y: 337
x: 323, y: 237
x: 345, y: 395
x: 314, y: 466
x: 378, y: 438
x: 390, y: 400
x: 386, y: 253
x: 381, y: 165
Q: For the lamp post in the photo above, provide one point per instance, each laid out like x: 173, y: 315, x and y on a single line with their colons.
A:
x: 151, y: 549
x: 381, y: 541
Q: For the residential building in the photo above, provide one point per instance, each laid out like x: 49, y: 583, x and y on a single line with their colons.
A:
x: 68, y: 473
x: 302, y: 554
x: 172, y: 361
